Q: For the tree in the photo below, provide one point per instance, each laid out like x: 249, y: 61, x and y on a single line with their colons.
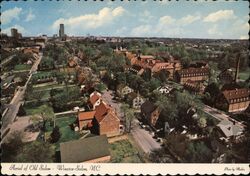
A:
x: 11, y: 147
x: 160, y: 156
x: 21, y: 111
x: 213, y: 91
x: 163, y: 75
x: 168, y: 109
x: 202, y: 122
x: 198, y: 152
x: 128, y: 115
x: 60, y: 77
x: 46, y: 63
x: 177, y: 144
x: 36, y: 152
x: 47, y: 114
x: 55, y: 135
x: 146, y: 74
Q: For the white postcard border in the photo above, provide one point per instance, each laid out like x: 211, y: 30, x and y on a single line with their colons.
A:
x: 122, y: 169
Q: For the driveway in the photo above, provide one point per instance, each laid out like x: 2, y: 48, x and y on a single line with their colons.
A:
x: 21, y: 126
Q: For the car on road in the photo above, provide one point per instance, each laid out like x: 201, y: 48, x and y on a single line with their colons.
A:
x: 160, y: 140
x: 141, y: 124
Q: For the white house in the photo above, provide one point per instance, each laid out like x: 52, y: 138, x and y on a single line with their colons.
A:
x: 137, y: 102
x: 123, y: 90
x: 164, y: 89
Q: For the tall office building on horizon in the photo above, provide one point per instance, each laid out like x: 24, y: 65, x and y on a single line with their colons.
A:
x: 61, y: 31
x: 14, y: 33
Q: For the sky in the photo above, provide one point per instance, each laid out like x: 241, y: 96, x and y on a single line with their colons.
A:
x: 177, y: 19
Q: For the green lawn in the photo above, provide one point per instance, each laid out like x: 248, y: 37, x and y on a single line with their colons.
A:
x: 22, y: 67
x: 67, y: 134
x: 30, y: 110
x: 45, y: 94
x: 244, y: 75
x: 124, y: 152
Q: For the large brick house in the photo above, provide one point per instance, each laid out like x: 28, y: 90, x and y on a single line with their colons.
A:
x: 150, y: 113
x: 193, y: 74
x: 102, y: 119
x: 106, y: 120
x: 234, y: 100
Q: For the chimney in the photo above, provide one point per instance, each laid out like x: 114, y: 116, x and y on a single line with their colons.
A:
x: 237, y: 68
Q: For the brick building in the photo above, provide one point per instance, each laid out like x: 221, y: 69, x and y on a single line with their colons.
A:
x: 234, y: 100
x: 150, y: 113
x: 102, y: 119
x: 106, y: 120
x: 193, y: 74
x: 155, y: 65
x: 196, y: 87
x: 88, y: 150
x: 227, y: 76
x: 85, y: 119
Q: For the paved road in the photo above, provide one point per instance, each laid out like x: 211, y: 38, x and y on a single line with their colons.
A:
x: 141, y: 136
x: 12, y: 111
x: 144, y: 138
x: 220, y: 115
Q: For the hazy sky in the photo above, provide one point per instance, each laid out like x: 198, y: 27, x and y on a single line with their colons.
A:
x: 185, y: 19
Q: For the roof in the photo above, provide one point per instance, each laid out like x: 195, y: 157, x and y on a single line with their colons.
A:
x: 84, y: 149
x: 94, y: 98
x: 193, y: 85
x: 146, y: 57
x: 132, y: 95
x: 192, y: 70
x: 101, y: 111
x: 86, y: 115
x: 236, y: 93
x: 229, y: 129
x: 148, y: 107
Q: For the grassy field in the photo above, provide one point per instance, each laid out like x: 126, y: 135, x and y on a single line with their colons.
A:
x: 30, y: 110
x: 22, y: 67
x: 244, y: 75
x: 67, y: 134
x: 124, y: 152
x: 45, y: 94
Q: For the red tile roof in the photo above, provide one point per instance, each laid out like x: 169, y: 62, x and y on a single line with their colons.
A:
x: 94, y: 98
x: 101, y: 111
x: 86, y: 115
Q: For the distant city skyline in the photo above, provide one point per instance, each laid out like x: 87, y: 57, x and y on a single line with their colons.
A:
x: 212, y: 20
